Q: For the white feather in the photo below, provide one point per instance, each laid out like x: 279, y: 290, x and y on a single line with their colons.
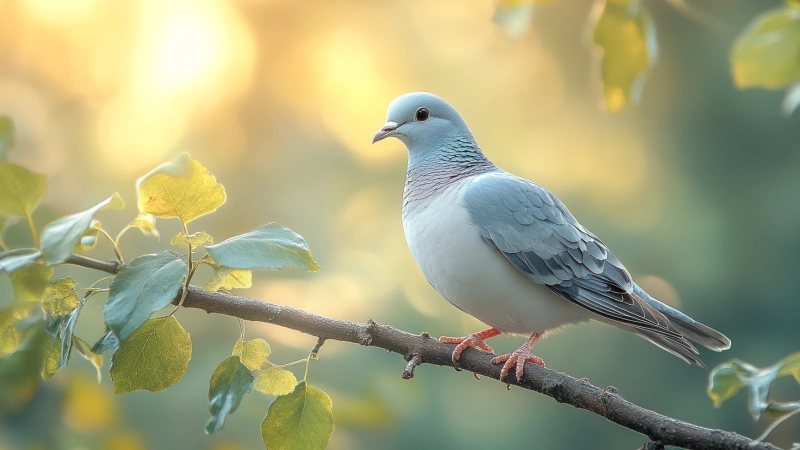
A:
x: 474, y: 276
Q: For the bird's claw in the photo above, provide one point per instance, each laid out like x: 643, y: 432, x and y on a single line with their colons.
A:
x: 471, y: 341
x: 516, y: 358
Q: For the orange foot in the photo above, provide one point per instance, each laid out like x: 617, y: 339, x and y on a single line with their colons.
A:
x: 518, y: 357
x: 472, y: 341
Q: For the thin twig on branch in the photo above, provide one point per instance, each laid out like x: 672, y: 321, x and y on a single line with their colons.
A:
x: 423, y: 349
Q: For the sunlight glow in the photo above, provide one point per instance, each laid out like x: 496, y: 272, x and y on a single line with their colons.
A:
x: 188, y: 58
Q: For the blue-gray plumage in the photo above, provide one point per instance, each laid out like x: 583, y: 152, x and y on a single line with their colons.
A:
x: 508, y: 252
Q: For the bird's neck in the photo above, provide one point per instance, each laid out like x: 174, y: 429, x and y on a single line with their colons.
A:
x: 431, y: 172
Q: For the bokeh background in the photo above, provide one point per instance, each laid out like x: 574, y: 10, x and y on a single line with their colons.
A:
x: 695, y: 190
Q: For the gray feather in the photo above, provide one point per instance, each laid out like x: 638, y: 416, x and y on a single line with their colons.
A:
x: 692, y: 329
x: 544, y: 241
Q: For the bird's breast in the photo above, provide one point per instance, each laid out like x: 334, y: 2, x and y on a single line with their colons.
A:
x: 474, y: 276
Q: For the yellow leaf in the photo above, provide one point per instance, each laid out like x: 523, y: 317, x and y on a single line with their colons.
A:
x: 275, y: 381
x: 20, y: 189
x: 59, y: 297
x: 154, y: 357
x: 767, y: 53
x: 181, y: 188
x: 8, y: 332
x: 625, y: 37
x: 197, y: 239
x: 300, y: 419
x: 146, y: 223
x: 29, y: 282
x: 85, y: 349
x: 253, y: 354
x: 226, y: 278
x: 52, y: 355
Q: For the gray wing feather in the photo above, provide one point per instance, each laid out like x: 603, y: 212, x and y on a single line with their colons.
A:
x: 544, y: 241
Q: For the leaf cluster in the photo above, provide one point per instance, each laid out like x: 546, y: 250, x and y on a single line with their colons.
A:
x: 624, y: 37
x: 727, y: 379
x: 37, y: 330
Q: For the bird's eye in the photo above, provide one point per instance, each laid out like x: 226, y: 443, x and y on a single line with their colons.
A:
x: 422, y: 114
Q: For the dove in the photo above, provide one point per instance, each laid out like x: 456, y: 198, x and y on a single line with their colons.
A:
x: 508, y: 252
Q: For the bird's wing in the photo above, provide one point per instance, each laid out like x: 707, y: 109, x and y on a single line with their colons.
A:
x: 544, y: 241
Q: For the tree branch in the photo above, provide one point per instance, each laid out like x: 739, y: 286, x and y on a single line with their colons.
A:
x: 423, y: 349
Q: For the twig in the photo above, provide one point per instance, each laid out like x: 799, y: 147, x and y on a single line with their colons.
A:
x: 418, y: 349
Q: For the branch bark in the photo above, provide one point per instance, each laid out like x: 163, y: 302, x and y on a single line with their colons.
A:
x: 423, y: 349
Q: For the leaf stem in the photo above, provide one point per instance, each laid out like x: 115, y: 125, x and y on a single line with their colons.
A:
x: 191, y: 268
x: 4, y: 246
x: 33, y: 229
x: 113, y: 244
x: 293, y: 363
x: 313, y: 355
x: 774, y: 425
x: 92, y: 289
x: 119, y: 235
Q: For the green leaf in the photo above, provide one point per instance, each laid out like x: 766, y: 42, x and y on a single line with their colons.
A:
x: 301, y: 419
x: 84, y: 349
x: 253, y: 353
x: 61, y: 237
x: 89, y: 237
x: 60, y: 297
x: 146, y: 223
x: 723, y: 383
x: 230, y: 381
x: 52, y: 357
x: 625, y: 35
x: 275, y: 381
x: 181, y: 188
x: 154, y: 357
x: 20, y: 189
x: 29, y: 282
x: 269, y: 247
x: 6, y: 136
x: 143, y: 286
x: 108, y: 341
x: 11, y: 261
x: 8, y: 329
x: 728, y: 378
x: 61, y: 307
x: 61, y: 327
x: 766, y: 53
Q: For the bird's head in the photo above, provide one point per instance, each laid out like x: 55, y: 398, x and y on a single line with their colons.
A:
x: 422, y: 120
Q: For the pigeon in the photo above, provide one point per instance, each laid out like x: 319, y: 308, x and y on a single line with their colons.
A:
x: 508, y: 252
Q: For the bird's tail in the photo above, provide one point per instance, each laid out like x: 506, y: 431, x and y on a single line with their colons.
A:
x: 690, y: 328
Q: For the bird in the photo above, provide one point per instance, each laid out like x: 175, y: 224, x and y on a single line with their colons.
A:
x: 508, y: 252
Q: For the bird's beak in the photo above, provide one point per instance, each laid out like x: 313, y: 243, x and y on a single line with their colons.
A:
x: 386, y: 130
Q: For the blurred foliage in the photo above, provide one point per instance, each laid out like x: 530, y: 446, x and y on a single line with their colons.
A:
x: 765, y: 54
x: 729, y: 378
x: 696, y: 184
x: 149, y: 353
x: 625, y: 35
